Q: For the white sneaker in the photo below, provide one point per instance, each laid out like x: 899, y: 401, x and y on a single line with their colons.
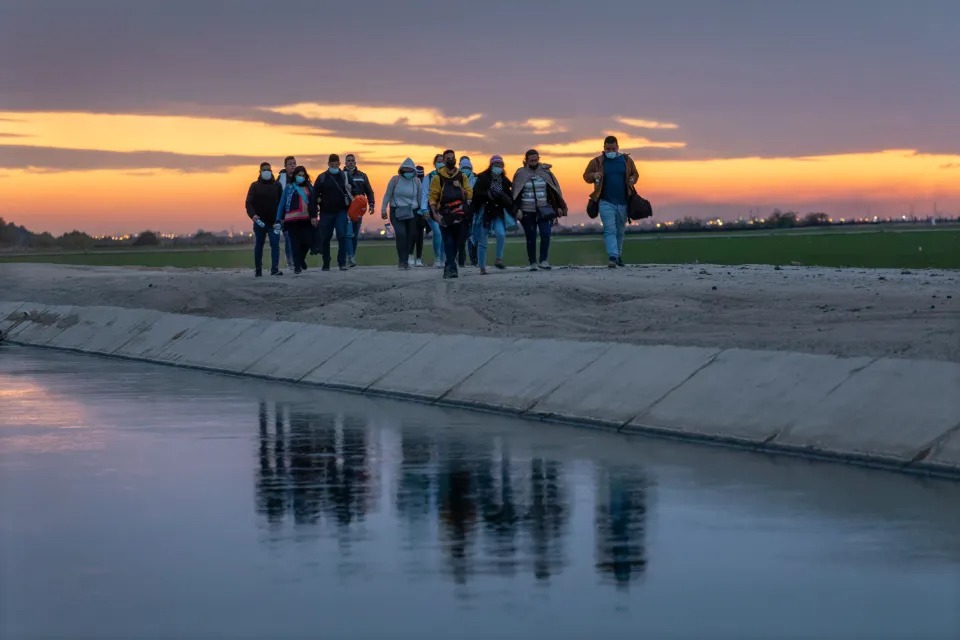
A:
x: 418, y: 263
x: 410, y: 261
x: 440, y: 264
x: 545, y: 265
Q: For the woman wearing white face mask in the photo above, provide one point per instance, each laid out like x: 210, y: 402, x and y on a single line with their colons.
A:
x: 439, y: 257
x: 403, y: 198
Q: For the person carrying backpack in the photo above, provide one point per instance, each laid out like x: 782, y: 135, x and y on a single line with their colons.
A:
x: 403, y: 198
x: 331, y: 197
x: 450, y: 193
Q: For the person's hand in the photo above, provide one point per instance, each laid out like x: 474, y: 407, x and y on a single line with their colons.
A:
x: 436, y: 217
x: 314, y: 221
x: 598, y: 176
x: 383, y: 214
x: 276, y: 228
x: 519, y: 216
x: 256, y: 218
x: 633, y: 179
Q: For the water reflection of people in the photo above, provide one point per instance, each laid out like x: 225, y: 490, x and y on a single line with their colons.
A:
x: 316, y: 468
x: 499, y: 513
x: 546, y: 517
x: 621, y: 524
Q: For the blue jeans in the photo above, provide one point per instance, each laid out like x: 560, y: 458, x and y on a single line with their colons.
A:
x: 614, y: 219
x: 531, y: 224
x: 453, y: 235
x: 353, y: 232
x: 261, y: 234
x: 437, y: 236
x: 500, y: 231
x: 476, y: 229
x: 330, y: 222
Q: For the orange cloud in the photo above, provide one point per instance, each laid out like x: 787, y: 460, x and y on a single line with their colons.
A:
x: 645, y: 124
x: 594, y: 146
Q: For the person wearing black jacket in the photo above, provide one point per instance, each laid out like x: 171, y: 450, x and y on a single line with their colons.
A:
x: 492, y: 200
x: 263, y: 198
x: 331, y: 197
x: 360, y: 185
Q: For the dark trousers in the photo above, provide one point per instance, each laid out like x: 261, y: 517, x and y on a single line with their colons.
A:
x: 416, y: 241
x: 462, y: 241
x: 261, y: 235
x: 330, y: 223
x: 454, y: 236
x: 530, y: 227
x: 301, y: 238
x: 403, y: 231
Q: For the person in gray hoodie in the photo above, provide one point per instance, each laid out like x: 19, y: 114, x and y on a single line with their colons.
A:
x: 403, y: 197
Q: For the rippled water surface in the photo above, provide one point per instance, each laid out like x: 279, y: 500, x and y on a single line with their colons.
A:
x: 140, y: 501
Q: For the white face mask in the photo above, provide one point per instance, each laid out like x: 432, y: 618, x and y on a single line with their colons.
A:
x: 611, y: 155
x: 266, y: 174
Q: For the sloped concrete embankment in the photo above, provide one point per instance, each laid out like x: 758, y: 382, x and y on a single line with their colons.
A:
x: 903, y: 414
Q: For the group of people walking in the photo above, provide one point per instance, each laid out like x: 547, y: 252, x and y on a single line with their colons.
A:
x: 459, y: 208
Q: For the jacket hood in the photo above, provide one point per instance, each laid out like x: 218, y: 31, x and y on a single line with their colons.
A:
x: 407, y: 165
x: 466, y: 164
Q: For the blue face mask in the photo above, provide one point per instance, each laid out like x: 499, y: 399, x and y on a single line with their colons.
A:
x: 266, y: 174
x: 611, y: 155
x: 466, y: 171
x: 408, y: 175
x: 439, y: 166
x: 300, y: 179
x: 496, y: 170
x: 334, y: 170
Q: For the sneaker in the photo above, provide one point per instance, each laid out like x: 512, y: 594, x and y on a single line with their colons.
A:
x: 533, y: 266
x: 620, y: 262
x: 297, y: 272
x: 343, y: 267
x: 258, y: 273
x: 276, y: 272
x: 545, y: 265
x: 351, y: 262
x: 303, y: 267
x: 473, y: 255
x: 440, y: 264
x: 499, y: 264
x: 454, y: 273
x: 612, y: 264
x: 410, y: 261
x: 325, y: 267
x: 446, y: 273
x: 418, y: 263
x: 483, y: 271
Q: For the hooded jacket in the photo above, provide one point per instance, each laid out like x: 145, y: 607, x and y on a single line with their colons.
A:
x: 466, y: 164
x: 554, y: 195
x: 263, y: 199
x: 398, y: 193
x: 435, y: 187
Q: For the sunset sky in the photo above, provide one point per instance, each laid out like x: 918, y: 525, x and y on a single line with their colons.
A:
x: 118, y: 116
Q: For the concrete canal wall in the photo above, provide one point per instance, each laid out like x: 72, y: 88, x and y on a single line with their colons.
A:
x: 903, y: 414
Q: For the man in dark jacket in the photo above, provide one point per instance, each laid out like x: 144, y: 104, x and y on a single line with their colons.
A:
x: 360, y: 185
x: 263, y: 199
x: 331, y: 197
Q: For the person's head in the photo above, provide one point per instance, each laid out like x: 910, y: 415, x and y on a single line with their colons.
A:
x: 289, y: 164
x: 301, y: 172
x: 466, y: 165
x: 420, y: 172
x: 496, y: 165
x: 333, y: 163
x: 438, y: 161
x: 266, y: 171
x: 351, y: 161
x: 407, y: 169
x: 450, y: 159
x: 611, y: 148
x: 532, y: 158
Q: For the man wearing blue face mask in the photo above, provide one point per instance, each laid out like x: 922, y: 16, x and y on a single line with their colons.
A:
x: 331, y: 197
x: 263, y: 198
x: 613, y: 175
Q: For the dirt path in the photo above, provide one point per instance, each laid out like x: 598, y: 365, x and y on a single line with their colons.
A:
x: 843, y: 312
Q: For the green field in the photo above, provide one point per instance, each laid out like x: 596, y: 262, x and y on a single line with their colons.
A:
x: 891, y: 249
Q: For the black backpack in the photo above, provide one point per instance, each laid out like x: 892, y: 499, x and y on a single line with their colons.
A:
x: 453, y: 198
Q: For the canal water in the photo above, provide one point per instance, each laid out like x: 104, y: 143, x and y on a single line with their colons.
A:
x: 142, y: 501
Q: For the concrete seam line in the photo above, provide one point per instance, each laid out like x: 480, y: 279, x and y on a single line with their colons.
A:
x: 926, y: 450
x: 512, y: 342
x: 352, y: 340
x: 394, y: 367
x: 567, y: 379
x: 663, y: 397
x: 850, y: 375
x: 485, y: 363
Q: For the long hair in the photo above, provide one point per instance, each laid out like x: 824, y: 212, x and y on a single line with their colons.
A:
x: 301, y: 169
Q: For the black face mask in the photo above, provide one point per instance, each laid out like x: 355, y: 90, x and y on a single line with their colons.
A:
x: 533, y: 165
x: 451, y: 164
